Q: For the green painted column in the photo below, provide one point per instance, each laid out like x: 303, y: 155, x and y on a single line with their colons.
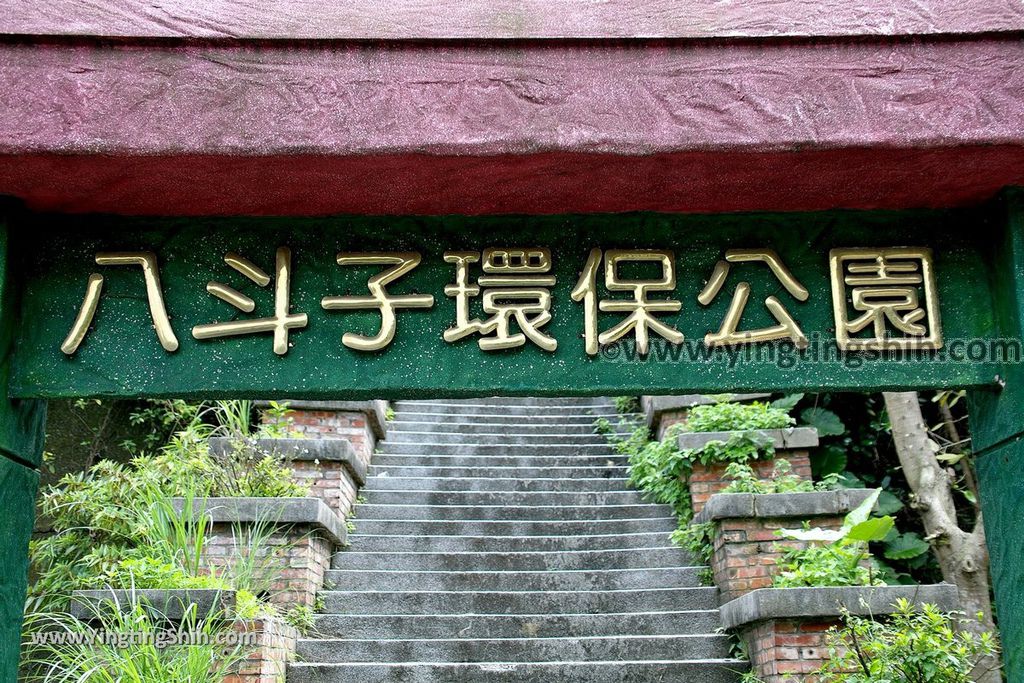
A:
x: 997, y: 428
x: 22, y: 430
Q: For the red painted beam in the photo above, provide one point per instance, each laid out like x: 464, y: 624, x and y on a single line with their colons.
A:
x: 505, y: 19
x: 550, y: 182
x: 534, y: 127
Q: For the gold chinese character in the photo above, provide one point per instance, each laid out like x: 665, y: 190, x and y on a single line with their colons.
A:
x: 157, y: 312
x: 641, y: 310
x: 886, y: 287
x: 518, y: 283
x: 386, y: 303
x: 727, y: 334
x: 283, y: 319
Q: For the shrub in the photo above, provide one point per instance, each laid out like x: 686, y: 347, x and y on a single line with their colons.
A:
x: 916, y: 645
x: 782, y: 480
x: 736, y: 417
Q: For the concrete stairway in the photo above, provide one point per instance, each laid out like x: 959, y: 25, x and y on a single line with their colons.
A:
x: 499, y: 542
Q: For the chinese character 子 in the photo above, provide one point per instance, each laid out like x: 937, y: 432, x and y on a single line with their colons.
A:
x: 516, y: 286
x: 379, y: 298
x: 892, y: 293
x: 94, y: 289
x: 280, y: 323
x: 727, y: 334
x: 641, y: 310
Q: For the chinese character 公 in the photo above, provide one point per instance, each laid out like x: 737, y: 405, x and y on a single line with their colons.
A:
x: 94, y: 288
x: 516, y: 286
x: 727, y: 334
x: 892, y: 290
x: 641, y: 310
x: 280, y: 323
x: 380, y: 299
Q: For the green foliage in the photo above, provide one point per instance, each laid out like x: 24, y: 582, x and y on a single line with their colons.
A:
x: 389, y: 414
x: 835, y: 558
x: 697, y: 539
x: 782, y: 480
x: 302, y: 618
x: 627, y: 404
x: 736, y: 417
x: 137, y: 648
x: 916, y: 645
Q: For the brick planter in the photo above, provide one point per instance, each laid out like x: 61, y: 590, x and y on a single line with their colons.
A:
x: 745, y: 539
x: 791, y: 444
x: 267, y: 661
x: 661, y: 412
x: 330, y: 467
x: 361, y: 423
x: 785, y: 629
x: 305, y: 535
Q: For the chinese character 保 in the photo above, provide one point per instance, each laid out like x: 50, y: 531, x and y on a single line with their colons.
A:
x: 379, y: 297
x: 640, y: 308
x: 891, y: 291
x: 280, y: 323
x: 94, y: 289
x: 515, y: 286
x: 727, y: 334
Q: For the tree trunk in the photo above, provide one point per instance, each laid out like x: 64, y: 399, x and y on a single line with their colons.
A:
x: 962, y: 555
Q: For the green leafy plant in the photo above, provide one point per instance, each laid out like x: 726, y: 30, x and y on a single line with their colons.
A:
x: 736, y: 417
x: 627, y: 404
x: 745, y: 480
x: 915, y: 645
x: 836, y: 557
x: 136, y: 646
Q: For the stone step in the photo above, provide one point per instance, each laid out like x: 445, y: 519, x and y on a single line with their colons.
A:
x: 512, y: 436
x: 484, y: 471
x: 586, y: 420
x: 529, y: 401
x: 510, y: 484
x: 448, y: 527
x: 483, y: 423
x: 571, y: 649
x: 567, y: 580
x: 518, y: 602
x: 560, y: 560
x: 507, y: 544
x: 477, y: 410
x: 565, y: 448
x: 523, y: 461
x: 369, y: 511
x: 455, y: 626
x: 565, y: 498
x: 704, y: 671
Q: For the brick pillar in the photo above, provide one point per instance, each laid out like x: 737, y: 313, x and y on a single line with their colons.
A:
x: 707, y: 480
x: 361, y: 423
x: 269, y: 644
x: 788, y: 650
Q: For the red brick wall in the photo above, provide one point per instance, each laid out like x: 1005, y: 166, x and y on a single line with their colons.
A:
x: 705, y: 481
x: 747, y: 550
x: 335, y: 424
x: 328, y: 480
x: 295, y: 573
x: 267, y: 660
x: 788, y: 650
x: 668, y: 419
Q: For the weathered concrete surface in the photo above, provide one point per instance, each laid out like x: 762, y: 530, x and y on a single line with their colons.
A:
x: 167, y: 604
x: 792, y: 437
x: 777, y: 505
x: 504, y: 19
x: 783, y: 603
x: 337, y: 450
x: 311, y: 512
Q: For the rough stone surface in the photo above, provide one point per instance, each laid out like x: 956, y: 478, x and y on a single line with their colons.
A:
x: 799, y: 505
x: 168, y: 604
x: 788, y: 603
x: 790, y: 438
x: 311, y: 512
